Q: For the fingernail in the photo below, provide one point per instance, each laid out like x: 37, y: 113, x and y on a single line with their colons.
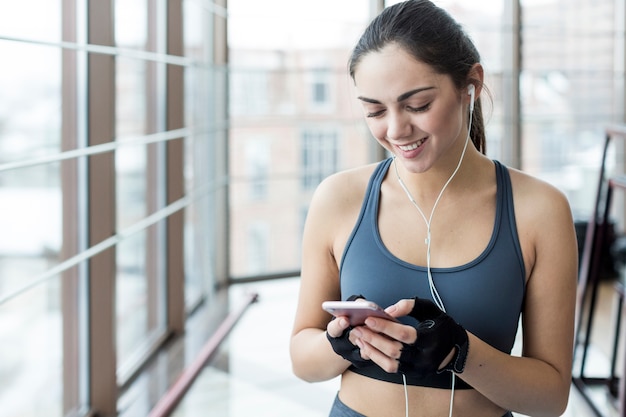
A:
x: 370, y: 322
x: 357, y: 333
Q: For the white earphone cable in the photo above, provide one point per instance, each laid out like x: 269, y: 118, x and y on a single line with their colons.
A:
x: 431, y: 284
x: 406, y: 396
x: 428, y: 221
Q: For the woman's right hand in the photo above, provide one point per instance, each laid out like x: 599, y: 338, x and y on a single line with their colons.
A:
x: 338, y: 332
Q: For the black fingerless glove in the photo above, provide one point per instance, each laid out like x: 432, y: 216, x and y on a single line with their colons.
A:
x: 437, y: 335
x: 344, y: 348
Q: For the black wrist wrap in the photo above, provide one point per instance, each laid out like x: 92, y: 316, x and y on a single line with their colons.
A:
x: 457, y: 364
x: 344, y: 348
x: 437, y: 335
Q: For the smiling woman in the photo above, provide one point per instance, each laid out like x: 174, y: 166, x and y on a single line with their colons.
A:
x: 490, y: 246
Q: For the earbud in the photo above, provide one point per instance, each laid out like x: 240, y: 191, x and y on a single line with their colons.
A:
x: 471, y: 90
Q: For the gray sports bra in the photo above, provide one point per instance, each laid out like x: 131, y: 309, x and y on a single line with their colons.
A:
x: 485, y: 295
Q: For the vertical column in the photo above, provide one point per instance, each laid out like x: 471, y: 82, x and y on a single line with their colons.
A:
x: 619, y: 71
x: 221, y: 220
x: 379, y: 153
x: 175, y: 119
x: 155, y: 104
x: 69, y: 187
x: 511, y: 67
x: 101, y: 209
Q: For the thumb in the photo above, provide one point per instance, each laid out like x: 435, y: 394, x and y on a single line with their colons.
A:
x: 424, y: 309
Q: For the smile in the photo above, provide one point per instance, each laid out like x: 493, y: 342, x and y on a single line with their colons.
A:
x: 412, y: 146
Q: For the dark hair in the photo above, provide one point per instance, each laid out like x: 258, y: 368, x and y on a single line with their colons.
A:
x: 431, y: 36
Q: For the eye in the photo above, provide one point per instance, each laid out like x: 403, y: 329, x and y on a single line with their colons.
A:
x: 418, y: 109
x: 375, y: 114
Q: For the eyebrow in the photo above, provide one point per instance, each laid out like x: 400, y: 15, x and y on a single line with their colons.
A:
x: 400, y: 98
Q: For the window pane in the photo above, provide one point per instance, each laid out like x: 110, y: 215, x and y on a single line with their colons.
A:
x: 140, y: 287
x: 205, y: 93
x: 21, y: 21
x: 294, y: 121
x: 30, y: 124
x: 31, y: 345
x: 569, y: 89
x: 131, y: 302
x: 31, y: 330
x: 131, y: 23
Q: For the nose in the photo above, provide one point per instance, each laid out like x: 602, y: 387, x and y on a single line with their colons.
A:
x: 399, y: 125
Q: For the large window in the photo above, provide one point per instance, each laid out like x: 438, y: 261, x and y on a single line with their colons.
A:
x: 111, y: 121
x: 294, y: 121
x: 571, y: 89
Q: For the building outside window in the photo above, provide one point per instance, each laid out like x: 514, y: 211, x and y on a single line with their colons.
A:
x: 319, y: 156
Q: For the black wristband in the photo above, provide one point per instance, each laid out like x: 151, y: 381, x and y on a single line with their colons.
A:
x: 457, y: 364
x: 344, y: 348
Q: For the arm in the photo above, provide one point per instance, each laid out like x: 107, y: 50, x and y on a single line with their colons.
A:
x: 538, y: 383
x: 328, y: 224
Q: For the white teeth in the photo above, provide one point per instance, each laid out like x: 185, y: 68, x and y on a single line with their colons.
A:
x: 411, y: 146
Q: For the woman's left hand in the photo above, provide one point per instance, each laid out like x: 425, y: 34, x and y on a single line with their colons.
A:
x: 424, y: 349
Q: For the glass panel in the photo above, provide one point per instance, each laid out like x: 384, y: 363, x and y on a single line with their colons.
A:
x: 31, y: 345
x: 131, y: 193
x: 199, y: 253
x: 140, y: 288
x: 131, y: 23
x: 31, y: 329
x: 293, y: 121
x: 31, y: 19
x: 205, y: 93
x: 131, y: 301
x: 30, y: 124
x: 570, y: 88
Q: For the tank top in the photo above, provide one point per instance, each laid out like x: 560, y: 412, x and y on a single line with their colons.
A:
x: 485, y: 295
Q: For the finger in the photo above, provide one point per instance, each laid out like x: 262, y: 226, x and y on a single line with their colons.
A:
x: 360, y: 345
x: 378, y: 341
x: 396, y: 331
x: 401, y: 308
x: 336, y: 327
x: 425, y: 309
x: 388, y: 364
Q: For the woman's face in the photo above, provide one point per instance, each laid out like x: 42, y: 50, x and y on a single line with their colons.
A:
x: 415, y: 113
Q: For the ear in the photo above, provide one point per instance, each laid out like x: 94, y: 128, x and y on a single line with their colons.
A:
x: 476, y: 77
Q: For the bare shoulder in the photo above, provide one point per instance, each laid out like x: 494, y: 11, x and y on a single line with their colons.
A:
x: 544, y: 220
x: 534, y: 197
x: 335, y: 207
x: 341, y: 191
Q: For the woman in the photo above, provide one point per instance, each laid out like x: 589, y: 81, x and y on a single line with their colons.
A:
x: 454, y: 244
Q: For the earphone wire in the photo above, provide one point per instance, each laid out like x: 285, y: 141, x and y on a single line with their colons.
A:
x: 433, y: 290
x: 431, y: 283
x: 406, y: 396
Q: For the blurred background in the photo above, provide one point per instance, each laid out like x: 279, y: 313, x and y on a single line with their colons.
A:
x: 156, y: 153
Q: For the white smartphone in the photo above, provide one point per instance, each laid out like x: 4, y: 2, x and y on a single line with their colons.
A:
x: 356, y: 311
